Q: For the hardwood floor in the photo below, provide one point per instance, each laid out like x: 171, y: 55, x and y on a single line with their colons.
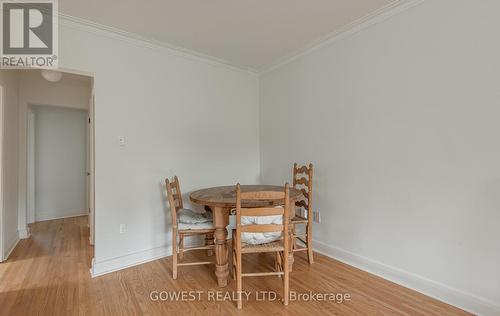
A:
x: 48, y: 274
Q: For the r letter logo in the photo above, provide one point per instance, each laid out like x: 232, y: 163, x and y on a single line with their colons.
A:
x: 29, y: 34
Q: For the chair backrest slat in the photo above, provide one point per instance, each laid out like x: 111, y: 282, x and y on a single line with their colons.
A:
x: 174, y: 197
x: 261, y: 228
x: 177, y: 198
x: 305, y: 193
x: 301, y: 203
x: 263, y: 195
x: 302, y: 169
x: 262, y: 211
x: 302, y: 175
x: 302, y: 181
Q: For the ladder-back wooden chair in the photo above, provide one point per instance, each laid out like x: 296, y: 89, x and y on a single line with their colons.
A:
x: 188, y: 223
x: 302, y: 180
x: 279, y: 247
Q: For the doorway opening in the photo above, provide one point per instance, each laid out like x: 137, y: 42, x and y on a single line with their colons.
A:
x: 57, y: 163
x: 60, y: 152
x: 2, y: 254
x: 54, y: 139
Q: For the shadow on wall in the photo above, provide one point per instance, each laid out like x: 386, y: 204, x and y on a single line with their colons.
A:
x: 167, y: 223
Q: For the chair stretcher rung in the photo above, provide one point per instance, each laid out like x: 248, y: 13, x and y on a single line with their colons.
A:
x: 198, y: 248
x: 299, y: 220
x: 261, y: 274
x: 299, y: 249
x: 196, y: 263
x: 297, y: 236
x: 195, y: 232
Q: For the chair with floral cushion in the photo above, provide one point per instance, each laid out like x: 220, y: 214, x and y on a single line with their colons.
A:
x: 186, y: 222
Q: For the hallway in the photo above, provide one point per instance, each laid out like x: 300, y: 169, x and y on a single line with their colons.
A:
x: 48, y: 272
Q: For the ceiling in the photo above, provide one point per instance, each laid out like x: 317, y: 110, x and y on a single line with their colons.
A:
x: 251, y: 34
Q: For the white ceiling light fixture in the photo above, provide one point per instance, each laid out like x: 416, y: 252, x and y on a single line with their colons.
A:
x: 51, y: 75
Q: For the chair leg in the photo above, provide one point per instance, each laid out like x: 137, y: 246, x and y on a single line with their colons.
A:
x: 233, y: 265
x: 294, y: 240
x: 278, y: 266
x: 209, y: 240
x: 233, y: 251
x: 309, y: 244
x: 174, y: 255
x: 181, y: 247
x: 290, y: 251
x: 286, y: 279
x: 238, y: 281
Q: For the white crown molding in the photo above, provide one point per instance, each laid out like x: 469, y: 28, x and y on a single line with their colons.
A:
x: 439, y: 291
x: 350, y: 29
x: 141, y: 41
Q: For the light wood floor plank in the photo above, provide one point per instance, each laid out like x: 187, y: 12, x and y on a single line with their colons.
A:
x: 48, y: 274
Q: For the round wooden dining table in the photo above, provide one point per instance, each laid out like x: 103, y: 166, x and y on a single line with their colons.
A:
x: 221, y: 200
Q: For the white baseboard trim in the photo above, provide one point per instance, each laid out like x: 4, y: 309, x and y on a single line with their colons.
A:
x: 137, y: 258
x: 24, y: 233
x: 10, y: 249
x: 127, y: 261
x: 439, y: 291
x: 41, y: 216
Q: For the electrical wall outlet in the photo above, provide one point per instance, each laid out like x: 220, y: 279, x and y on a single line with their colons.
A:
x: 123, y: 228
x: 316, y: 217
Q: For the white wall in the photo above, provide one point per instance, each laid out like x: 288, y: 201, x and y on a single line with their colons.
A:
x: 60, y: 162
x: 402, y: 123
x: 8, y: 80
x: 180, y: 115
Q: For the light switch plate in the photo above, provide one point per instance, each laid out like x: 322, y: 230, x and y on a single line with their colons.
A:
x: 121, y: 141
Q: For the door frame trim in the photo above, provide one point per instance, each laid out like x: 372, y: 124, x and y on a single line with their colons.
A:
x: 2, y: 126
